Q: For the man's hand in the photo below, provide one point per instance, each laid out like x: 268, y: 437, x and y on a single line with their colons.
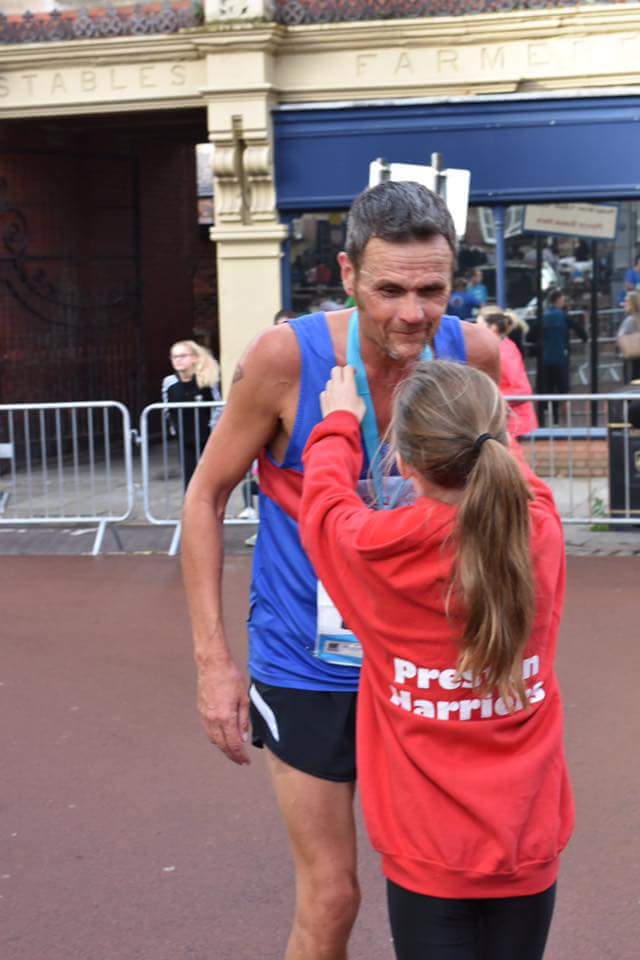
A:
x: 341, y: 394
x: 224, y: 707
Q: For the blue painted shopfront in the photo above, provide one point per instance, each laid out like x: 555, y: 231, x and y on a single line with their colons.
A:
x: 518, y: 151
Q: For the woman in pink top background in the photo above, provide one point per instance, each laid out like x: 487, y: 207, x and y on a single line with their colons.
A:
x: 513, y: 376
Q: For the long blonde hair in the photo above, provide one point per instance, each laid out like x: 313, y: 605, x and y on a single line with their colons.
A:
x: 207, y: 371
x: 633, y: 298
x: 514, y: 322
x: 440, y: 413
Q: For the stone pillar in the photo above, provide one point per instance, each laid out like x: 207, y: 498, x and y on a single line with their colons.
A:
x: 248, y: 287
x: 247, y: 231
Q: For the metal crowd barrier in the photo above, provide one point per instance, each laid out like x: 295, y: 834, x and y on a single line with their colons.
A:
x: 171, y: 437
x: 588, y: 451
x: 66, y: 463
x: 71, y: 463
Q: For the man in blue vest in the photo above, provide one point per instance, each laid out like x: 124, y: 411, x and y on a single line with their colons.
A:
x: 398, y: 265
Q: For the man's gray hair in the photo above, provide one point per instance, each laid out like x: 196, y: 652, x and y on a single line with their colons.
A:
x: 397, y: 212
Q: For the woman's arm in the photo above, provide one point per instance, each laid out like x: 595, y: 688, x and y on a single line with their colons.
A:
x: 331, y: 512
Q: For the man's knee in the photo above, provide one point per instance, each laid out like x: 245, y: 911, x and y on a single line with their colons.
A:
x: 329, y: 901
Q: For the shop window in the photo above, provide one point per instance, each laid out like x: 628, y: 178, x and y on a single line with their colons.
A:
x: 567, y: 264
x: 316, y: 241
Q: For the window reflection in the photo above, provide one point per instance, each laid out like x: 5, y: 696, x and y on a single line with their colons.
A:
x: 316, y: 240
x: 567, y: 264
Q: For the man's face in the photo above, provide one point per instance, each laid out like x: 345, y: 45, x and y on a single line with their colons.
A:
x: 402, y: 291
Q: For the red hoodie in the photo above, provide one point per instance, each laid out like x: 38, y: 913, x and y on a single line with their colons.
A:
x: 461, y: 798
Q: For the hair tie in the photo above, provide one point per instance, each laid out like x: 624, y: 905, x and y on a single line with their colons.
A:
x: 477, y: 443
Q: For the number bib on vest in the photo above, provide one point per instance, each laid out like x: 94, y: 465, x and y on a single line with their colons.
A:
x: 335, y: 643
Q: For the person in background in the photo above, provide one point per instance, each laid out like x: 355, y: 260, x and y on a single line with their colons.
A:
x: 632, y: 276
x: 631, y: 324
x: 513, y: 376
x: 282, y: 316
x: 457, y: 602
x: 518, y: 331
x: 195, y: 379
x: 476, y: 287
x: 553, y: 376
x: 461, y: 303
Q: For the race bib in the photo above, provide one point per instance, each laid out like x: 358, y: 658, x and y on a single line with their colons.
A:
x: 335, y: 643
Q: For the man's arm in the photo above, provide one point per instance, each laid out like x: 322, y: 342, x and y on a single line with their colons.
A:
x: 533, y: 332
x: 577, y: 325
x: 264, y: 378
x: 483, y: 349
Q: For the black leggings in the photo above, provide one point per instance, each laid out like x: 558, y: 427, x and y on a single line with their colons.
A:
x: 431, y: 928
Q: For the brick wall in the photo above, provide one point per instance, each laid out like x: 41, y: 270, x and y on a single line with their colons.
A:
x: 579, y: 458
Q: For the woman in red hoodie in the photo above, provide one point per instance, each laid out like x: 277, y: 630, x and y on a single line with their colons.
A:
x: 456, y: 600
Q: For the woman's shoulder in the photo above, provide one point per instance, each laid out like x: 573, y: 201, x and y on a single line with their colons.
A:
x: 421, y: 527
x: 629, y: 325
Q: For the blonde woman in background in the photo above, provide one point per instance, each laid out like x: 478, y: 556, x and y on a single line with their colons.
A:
x: 195, y: 379
x: 631, y: 324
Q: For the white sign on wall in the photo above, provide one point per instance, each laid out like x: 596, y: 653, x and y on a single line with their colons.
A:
x: 456, y: 185
x: 593, y: 220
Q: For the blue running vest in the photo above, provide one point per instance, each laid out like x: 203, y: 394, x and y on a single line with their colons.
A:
x: 282, y: 606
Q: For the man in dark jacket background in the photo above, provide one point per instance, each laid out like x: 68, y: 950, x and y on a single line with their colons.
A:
x: 557, y: 324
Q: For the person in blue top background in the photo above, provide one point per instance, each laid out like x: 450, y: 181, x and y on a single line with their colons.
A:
x: 476, y: 288
x: 632, y: 276
x: 462, y: 304
x: 557, y: 324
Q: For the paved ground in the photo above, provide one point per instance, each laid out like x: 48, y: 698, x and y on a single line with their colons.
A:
x: 145, y: 539
x: 125, y: 836
x: 135, y: 538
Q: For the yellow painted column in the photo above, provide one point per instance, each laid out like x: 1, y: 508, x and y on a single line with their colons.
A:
x: 249, y: 260
x: 248, y: 234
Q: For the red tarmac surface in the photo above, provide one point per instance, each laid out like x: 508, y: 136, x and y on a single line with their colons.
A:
x: 125, y: 836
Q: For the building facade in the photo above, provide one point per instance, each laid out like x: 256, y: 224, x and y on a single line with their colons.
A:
x: 101, y: 111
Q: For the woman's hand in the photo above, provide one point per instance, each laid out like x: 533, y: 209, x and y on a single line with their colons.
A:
x: 341, y: 394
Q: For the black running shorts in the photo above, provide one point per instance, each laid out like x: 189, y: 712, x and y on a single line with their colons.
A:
x: 310, y: 730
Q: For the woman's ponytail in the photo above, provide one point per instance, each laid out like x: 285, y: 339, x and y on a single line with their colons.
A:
x: 493, y: 573
x: 449, y: 424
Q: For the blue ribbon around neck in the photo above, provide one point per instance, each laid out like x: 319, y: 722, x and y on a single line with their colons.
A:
x: 369, y: 426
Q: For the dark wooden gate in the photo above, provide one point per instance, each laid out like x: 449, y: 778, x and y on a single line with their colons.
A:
x: 70, y: 289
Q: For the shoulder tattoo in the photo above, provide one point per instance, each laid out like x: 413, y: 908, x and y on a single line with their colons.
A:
x: 238, y: 373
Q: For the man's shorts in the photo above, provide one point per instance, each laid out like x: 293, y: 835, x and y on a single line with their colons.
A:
x: 310, y: 730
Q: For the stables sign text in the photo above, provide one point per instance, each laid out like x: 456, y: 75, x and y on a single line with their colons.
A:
x: 91, y: 84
